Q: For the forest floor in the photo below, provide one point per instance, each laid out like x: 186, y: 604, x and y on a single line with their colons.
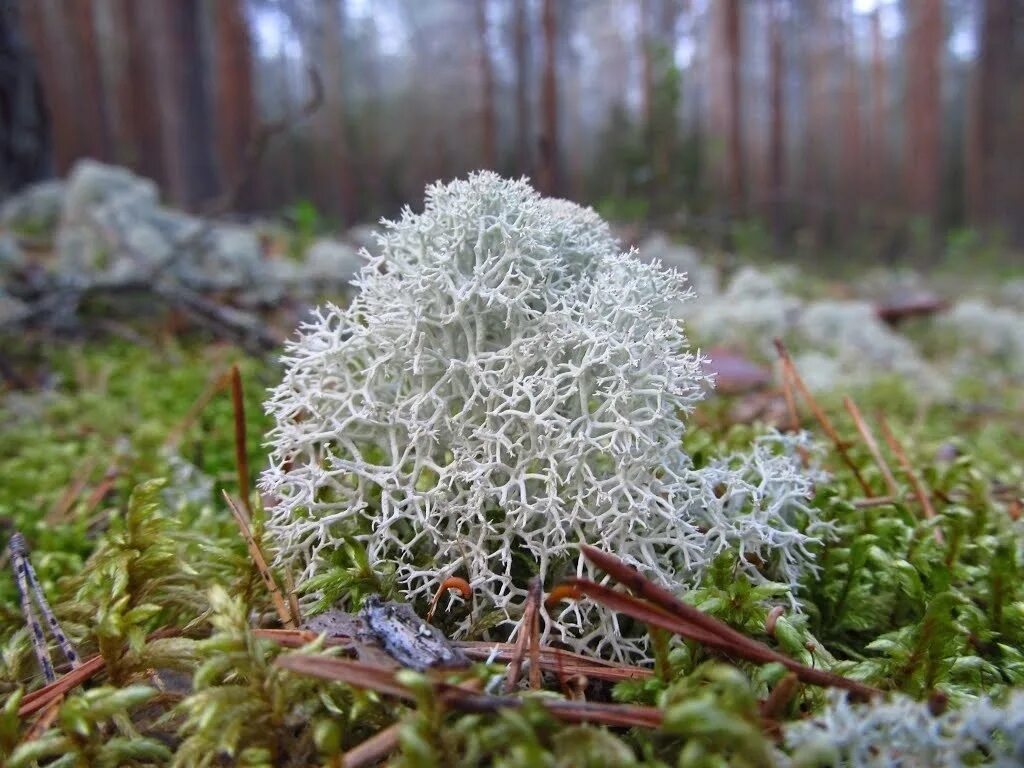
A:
x: 130, y: 467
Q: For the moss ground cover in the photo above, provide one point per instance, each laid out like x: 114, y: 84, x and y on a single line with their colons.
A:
x: 931, y: 616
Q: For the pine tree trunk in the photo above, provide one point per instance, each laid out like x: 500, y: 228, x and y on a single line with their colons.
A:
x: 777, y: 139
x: 549, y: 152
x: 337, y: 180
x: 524, y: 121
x: 233, y: 90
x: 922, y: 155
x: 488, y: 155
x: 25, y: 146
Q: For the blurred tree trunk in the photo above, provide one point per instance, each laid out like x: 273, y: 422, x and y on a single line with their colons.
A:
x: 25, y: 147
x: 922, y: 156
x: 232, y: 89
x: 140, y: 110
x: 90, y: 101
x: 727, y: 101
x: 550, y: 179
x: 777, y: 138
x: 815, y: 194
x: 665, y: 89
x: 336, y: 179
x: 878, y: 150
x: 852, y: 138
x: 46, y: 26
x: 171, y: 30
x: 646, y: 45
x: 995, y: 163
x: 524, y: 122
x: 487, y: 119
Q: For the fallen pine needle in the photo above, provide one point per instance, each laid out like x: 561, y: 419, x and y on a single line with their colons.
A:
x: 920, y: 491
x: 702, y: 625
x: 261, y: 565
x: 872, y: 444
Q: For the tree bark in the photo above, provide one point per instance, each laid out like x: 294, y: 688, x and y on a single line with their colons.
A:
x: 995, y: 165
x: 48, y: 31
x: 852, y: 135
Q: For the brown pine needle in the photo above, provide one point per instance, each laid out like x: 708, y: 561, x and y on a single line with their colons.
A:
x: 774, y: 706
x: 872, y: 444
x: 241, y: 454
x: 383, y: 681
x: 536, y: 598
x: 261, y: 564
x: 293, y: 600
x: 787, y: 392
x: 60, y: 508
x: 45, y: 719
x: 374, y: 749
x: 528, y: 640
x: 701, y: 626
x: 41, y: 698
x: 819, y: 414
x: 920, y: 490
x: 213, y: 386
x: 554, y: 660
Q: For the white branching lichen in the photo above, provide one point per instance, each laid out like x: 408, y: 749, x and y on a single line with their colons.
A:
x: 900, y: 731
x: 505, y: 385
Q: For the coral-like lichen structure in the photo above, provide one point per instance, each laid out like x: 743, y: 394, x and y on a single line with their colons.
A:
x: 505, y: 385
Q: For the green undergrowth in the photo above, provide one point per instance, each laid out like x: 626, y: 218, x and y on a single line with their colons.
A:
x: 156, y: 579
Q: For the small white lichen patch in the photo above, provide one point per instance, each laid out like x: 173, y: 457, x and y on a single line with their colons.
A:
x: 505, y: 385
x: 902, y: 732
x: 861, y: 348
x: 752, y: 310
x: 987, y: 333
x: 762, y: 510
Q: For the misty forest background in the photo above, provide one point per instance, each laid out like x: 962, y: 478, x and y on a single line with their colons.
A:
x: 889, y: 129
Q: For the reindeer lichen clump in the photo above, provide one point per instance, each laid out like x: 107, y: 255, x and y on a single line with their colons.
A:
x: 506, y: 384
